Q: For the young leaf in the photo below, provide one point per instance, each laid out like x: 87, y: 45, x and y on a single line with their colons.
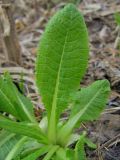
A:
x: 88, y: 106
x: 79, y: 148
x: 23, y: 128
x: 61, y: 62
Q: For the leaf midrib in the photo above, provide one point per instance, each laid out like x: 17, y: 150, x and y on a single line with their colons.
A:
x: 80, y: 113
x: 27, y: 113
x: 87, y: 106
x: 52, y: 121
x: 16, y: 148
x: 8, y: 101
x: 57, y: 79
x: 75, y: 119
x: 6, y: 139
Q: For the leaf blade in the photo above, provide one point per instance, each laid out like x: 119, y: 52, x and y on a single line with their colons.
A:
x: 37, y: 153
x: 51, y: 152
x: 5, y: 103
x: 7, y: 142
x: 16, y: 149
x: 23, y: 128
x: 61, y: 62
x: 79, y: 148
x: 14, y: 102
x: 88, y: 106
x: 91, y: 100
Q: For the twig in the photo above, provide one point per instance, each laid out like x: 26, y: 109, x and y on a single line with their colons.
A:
x: 109, y: 142
x: 9, y: 38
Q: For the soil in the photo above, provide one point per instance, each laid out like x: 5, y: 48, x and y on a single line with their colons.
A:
x: 30, y: 20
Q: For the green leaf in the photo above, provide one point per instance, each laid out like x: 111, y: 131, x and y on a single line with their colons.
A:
x: 90, y: 143
x: 10, y: 145
x: 26, y: 107
x: 79, y: 148
x: 117, y: 18
x: 23, y: 128
x: 73, y: 138
x: 70, y: 154
x: 39, y: 152
x: 61, y: 61
x: 64, y: 154
x: 16, y: 149
x: 88, y: 106
x: 14, y: 146
x: 91, y: 100
x: 61, y: 154
x: 5, y: 103
x: 13, y: 102
x: 51, y: 152
x: 5, y: 136
x: 44, y: 124
x: 30, y: 146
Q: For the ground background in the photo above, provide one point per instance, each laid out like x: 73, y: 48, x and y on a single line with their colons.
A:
x: 31, y: 17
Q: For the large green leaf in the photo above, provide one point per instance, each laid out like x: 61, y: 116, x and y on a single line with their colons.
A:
x: 23, y: 128
x: 10, y: 145
x: 61, y: 61
x: 13, y: 102
x: 88, y: 106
